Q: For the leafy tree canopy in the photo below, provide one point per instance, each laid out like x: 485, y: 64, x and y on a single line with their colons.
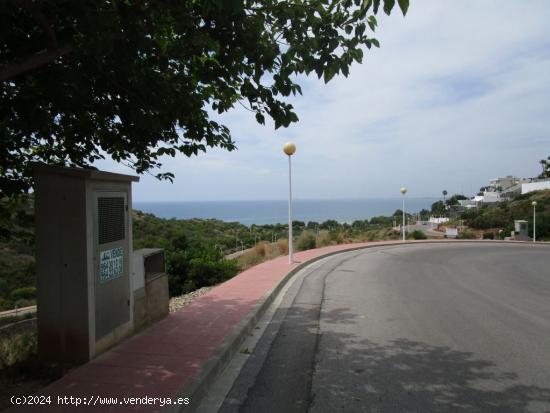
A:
x: 545, y: 164
x: 398, y: 213
x: 438, y: 209
x: 455, y: 198
x: 138, y: 79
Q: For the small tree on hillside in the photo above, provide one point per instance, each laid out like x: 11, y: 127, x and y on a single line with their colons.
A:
x: 545, y: 164
x: 454, y: 199
x: 438, y: 209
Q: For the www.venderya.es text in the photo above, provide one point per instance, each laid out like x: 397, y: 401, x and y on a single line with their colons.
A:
x: 97, y: 401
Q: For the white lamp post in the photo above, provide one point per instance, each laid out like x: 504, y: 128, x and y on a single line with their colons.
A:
x: 534, y: 203
x: 403, y: 192
x: 289, y: 149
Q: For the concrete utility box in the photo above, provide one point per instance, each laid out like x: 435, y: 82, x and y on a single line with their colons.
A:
x: 520, y: 233
x: 83, y: 261
x: 150, y: 284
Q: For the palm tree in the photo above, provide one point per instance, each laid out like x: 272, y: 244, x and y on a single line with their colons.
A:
x: 444, y: 195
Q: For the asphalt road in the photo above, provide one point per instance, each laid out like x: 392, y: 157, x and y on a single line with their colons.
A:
x: 425, y: 328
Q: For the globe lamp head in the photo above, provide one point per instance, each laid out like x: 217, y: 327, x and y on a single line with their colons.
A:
x: 289, y: 148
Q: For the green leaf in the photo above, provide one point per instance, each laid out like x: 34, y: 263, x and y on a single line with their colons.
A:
x: 358, y: 55
x: 345, y: 69
x: 372, y: 23
x: 260, y: 118
x: 404, y: 6
x: 329, y: 73
x: 388, y: 6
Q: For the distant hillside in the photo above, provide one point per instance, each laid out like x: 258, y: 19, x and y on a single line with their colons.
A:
x: 152, y: 231
x: 502, y: 215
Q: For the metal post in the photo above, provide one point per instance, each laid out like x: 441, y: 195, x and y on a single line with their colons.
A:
x: 403, y: 217
x: 289, y: 149
x: 403, y: 191
x: 289, y: 211
x: 534, y: 223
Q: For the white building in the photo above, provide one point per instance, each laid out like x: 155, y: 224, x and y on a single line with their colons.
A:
x: 440, y: 220
x: 501, y: 184
x: 490, y: 197
x: 468, y: 203
x: 526, y: 187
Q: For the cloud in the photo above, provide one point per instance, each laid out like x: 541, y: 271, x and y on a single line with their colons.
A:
x: 457, y: 94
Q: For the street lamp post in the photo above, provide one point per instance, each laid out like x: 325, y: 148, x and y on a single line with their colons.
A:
x: 534, y: 203
x: 289, y: 149
x: 403, y: 192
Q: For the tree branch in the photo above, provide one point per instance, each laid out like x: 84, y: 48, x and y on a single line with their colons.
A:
x: 33, y: 62
x: 43, y: 21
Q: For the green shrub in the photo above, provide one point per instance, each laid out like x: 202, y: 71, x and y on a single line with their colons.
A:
x: 488, y: 235
x: 417, y: 234
x: 204, y: 271
x: 338, y: 237
x: 23, y: 293
x: 466, y: 235
x: 491, y: 218
x: 177, y: 266
x: 17, y: 348
x: 543, y: 226
x: 372, y: 235
x: 381, y: 221
x: 305, y: 241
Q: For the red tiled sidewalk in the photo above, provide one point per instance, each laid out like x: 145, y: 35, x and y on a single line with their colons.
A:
x: 163, y: 360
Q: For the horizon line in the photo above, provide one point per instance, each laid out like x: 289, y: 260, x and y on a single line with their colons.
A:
x: 285, y: 200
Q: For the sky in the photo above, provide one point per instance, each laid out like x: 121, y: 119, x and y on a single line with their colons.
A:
x: 457, y: 94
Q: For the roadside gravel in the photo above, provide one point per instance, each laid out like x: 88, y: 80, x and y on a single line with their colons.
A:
x: 179, y: 302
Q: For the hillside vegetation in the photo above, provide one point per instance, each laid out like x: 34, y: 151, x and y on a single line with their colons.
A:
x: 502, y: 216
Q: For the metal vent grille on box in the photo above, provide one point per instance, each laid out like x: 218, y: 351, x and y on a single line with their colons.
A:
x: 110, y: 219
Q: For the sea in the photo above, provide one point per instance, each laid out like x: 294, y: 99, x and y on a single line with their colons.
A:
x: 274, y: 212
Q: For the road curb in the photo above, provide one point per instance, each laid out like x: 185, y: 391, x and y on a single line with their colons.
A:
x: 209, y: 372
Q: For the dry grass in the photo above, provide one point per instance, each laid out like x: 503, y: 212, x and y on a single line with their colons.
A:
x: 323, y: 239
x: 264, y: 251
x: 282, y: 244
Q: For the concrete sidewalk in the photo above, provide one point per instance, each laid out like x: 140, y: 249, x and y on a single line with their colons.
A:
x: 181, y: 355
x: 18, y: 311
